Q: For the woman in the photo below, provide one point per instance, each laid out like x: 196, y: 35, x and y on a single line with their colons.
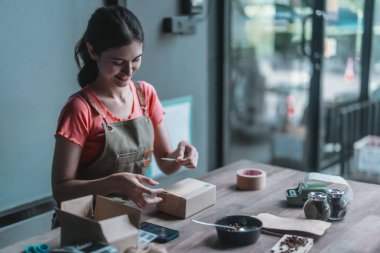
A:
x: 108, y: 130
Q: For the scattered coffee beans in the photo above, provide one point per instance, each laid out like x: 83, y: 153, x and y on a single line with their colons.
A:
x: 292, y: 243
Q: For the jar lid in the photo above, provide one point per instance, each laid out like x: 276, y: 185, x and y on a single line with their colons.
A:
x: 335, y: 193
x: 318, y: 196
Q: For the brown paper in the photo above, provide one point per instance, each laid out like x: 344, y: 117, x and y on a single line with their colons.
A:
x: 280, y: 224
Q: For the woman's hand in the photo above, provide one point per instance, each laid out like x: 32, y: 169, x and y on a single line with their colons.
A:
x: 132, y: 185
x: 65, y: 185
x: 186, y: 155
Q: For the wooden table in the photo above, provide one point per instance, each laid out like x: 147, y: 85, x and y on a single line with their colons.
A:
x: 357, y: 232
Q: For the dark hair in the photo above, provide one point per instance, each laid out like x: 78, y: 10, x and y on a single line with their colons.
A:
x: 108, y: 27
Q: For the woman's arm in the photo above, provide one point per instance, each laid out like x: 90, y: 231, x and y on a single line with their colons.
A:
x: 185, y: 154
x: 65, y: 186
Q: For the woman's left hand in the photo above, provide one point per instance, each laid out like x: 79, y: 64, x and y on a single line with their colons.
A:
x: 187, y: 155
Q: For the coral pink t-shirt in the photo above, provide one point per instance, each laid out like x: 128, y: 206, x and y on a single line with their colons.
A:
x: 81, y: 124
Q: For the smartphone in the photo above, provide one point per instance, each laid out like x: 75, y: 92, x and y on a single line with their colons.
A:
x: 164, y: 234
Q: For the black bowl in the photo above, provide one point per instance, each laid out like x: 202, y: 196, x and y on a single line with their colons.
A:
x: 229, y: 236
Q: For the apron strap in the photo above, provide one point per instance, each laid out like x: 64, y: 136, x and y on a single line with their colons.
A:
x: 140, y: 95
x: 91, y: 103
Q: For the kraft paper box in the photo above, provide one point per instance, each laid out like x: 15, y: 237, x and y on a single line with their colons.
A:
x: 110, y: 221
x: 187, y: 197
x: 367, y: 154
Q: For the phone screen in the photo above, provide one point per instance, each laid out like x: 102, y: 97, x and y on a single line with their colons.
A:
x: 164, y: 234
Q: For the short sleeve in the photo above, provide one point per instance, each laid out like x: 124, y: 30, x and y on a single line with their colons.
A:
x: 74, y: 120
x: 155, y: 108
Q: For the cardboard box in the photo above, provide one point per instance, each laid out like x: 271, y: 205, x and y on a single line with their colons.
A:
x: 288, y: 146
x: 110, y: 221
x: 367, y: 154
x: 187, y: 197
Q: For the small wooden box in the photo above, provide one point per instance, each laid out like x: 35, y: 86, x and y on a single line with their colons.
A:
x: 187, y: 197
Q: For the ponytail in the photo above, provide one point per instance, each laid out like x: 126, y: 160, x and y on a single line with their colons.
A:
x: 88, y: 70
x: 108, y: 27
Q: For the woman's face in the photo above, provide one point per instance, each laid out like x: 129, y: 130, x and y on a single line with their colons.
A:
x: 117, y: 66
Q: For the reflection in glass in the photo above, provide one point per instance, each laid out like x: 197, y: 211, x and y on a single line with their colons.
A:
x: 269, y: 77
x: 374, y: 86
x: 344, y: 30
x: 269, y: 81
x: 342, y: 66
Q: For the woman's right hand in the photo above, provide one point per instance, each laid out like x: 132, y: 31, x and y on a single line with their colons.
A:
x: 65, y: 185
x: 132, y: 185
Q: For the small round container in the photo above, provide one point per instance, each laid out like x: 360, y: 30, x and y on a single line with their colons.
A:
x: 228, y: 236
x: 316, y: 206
x: 338, y: 203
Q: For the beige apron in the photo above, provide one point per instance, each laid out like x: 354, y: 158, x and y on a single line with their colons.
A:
x: 128, y: 144
x: 128, y: 148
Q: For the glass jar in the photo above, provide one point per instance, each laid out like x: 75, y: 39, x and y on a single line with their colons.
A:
x: 316, y: 206
x: 338, y: 203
